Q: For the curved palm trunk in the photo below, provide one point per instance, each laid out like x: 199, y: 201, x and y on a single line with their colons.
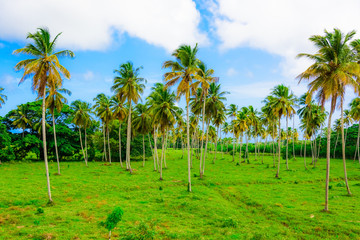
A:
x: 128, y: 138
x: 305, y: 156
x: 56, y: 148
x: 82, y: 148
x: 279, y: 153
x: 328, y: 163
x: 143, y: 151
x: 287, y: 143
x: 188, y: 143
x: 44, y: 146
x: 108, y: 139
x: 343, y: 149
x: 120, y: 144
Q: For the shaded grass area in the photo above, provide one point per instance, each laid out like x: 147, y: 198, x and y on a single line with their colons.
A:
x: 231, y: 202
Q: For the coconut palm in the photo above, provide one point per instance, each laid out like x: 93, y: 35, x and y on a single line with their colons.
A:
x: 183, y: 71
x: 241, y: 126
x: 332, y: 70
x: 142, y: 123
x: 128, y: 86
x: 120, y: 113
x: 21, y: 117
x: 219, y: 119
x: 55, y: 101
x: 44, y: 68
x: 231, y: 112
x: 3, y: 97
x: 355, y: 113
x: 82, y: 119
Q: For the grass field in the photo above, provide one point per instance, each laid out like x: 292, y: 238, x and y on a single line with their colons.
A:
x: 231, y: 202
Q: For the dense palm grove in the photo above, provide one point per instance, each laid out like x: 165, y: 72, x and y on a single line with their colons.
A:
x: 126, y: 126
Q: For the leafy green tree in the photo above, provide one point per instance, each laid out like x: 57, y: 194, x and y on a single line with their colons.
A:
x: 21, y: 117
x: 113, y: 219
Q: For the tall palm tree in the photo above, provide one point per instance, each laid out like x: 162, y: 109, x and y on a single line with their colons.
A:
x: 128, y: 86
x: 120, y: 113
x: 21, y: 117
x: 104, y: 112
x: 355, y: 113
x: 81, y: 118
x: 332, y: 70
x: 241, y: 126
x: 44, y: 68
x: 278, y: 103
x: 3, y: 97
x: 55, y: 101
x: 232, y: 114
x: 142, y: 123
x: 183, y: 71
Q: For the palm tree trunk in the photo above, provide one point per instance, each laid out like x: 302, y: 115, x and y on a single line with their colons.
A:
x: 120, y: 144
x: 305, y: 155
x: 143, y: 151
x: 108, y: 139
x: 216, y: 141
x: 202, y: 136
x: 262, y: 159
x: 255, y: 140
x: 343, y: 148
x: 247, y: 148
x: 315, y: 150
x: 312, y: 151
x: 162, y: 155
x: 86, y: 153
x: 287, y: 143
x: 273, y: 144
x: 44, y: 146
x: 128, y: 138
x: 104, y: 135
x: 166, y: 142
x: 357, y: 144
x: 153, y: 151
x: 328, y: 162
x: 206, y: 147
x: 82, y: 148
x: 337, y: 138
x: 318, y: 150
x: 241, y: 139
x: 222, y: 144
x: 294, y: 139
x: 279, y: 147
x: 188, y: 143
x: 56, y: 148
x: 234, y: 147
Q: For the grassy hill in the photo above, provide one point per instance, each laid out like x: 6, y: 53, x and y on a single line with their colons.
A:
x: 231, y: 202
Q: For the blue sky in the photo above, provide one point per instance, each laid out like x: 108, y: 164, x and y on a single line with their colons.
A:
x: 251, y: 45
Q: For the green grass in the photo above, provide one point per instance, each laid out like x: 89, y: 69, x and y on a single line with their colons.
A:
x: 231, y: 202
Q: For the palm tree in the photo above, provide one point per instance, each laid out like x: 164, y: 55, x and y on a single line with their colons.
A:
x: 3, y: 97
x: 355, y: 113
x: 164, y: 114
x: 219, y: 119
x: 44, y: 68
x: 142, y: 123
x: 21, y: 117
x: 128, y: 86
x: 279, y: 103
x: 81, y: 118
x: 182, y: 72
x: 241, y: 125
x: 232, y: 114
x: 55, y: 101
x: 333, y: 69
x: 119, y: 113
x: 104, y: 112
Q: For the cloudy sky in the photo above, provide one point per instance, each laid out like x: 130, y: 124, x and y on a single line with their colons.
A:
x: 251, y: 45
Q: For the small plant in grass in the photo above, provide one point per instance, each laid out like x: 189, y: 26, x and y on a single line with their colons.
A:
x: 40, y: 210
x: 113, y: 219
x: 229, y: 222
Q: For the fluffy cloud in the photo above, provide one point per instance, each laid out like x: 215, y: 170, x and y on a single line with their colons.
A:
x: 94, y: 24
x: 281, y: 27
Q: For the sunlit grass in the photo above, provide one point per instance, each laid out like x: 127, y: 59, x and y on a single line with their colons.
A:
x: 231, y: 202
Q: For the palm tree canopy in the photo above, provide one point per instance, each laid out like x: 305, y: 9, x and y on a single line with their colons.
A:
x: 55, y: 99
x: 3, y: 97
x: 44, y: 67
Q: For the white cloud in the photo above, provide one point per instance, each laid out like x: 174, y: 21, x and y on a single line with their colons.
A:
x: 231, y: 72
x: 93, y: 24
x: 89, y: 75
x: 9, y: 82
x: 281, y: 27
